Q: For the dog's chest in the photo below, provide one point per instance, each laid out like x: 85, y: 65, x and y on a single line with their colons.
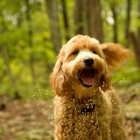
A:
x: 82, y: 119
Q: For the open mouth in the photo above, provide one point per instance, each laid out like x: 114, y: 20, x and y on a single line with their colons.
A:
x: 86, y: 77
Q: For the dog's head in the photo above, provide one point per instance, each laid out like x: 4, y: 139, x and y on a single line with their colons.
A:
x: 82, y: 66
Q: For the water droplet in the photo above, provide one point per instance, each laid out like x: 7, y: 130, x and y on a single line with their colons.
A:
x: 33, y: 97
x: 50, y: 106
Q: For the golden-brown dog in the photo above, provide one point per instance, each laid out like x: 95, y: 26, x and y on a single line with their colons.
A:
x: 86, y: 106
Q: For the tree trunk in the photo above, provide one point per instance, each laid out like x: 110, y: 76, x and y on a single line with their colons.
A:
x: 6, y: 60
x: 134, y: 42
x: 128, y: 18
x: 65, y: 18
x: 52, y: 11
x: 115, y: 26
x: 139, y: 21
x: 78, y: 17
x: 30, y: 36
x: 5, y: 55
x: 94, y: 19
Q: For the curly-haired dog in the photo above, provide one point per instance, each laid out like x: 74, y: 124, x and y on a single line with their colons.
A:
x: 86, y: 106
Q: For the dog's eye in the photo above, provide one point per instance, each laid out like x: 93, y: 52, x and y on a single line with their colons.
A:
x: 75, y: 52
x: 93, y: 51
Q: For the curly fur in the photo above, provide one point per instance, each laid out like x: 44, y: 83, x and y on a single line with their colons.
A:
x: 87, y: 113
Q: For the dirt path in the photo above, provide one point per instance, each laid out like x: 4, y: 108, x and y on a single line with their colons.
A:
x: 33, y: 120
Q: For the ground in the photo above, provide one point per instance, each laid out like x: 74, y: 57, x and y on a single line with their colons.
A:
x: 33, y: 119
x: 26, y: 119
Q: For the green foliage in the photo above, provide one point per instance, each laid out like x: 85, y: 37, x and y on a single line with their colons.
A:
x: 127, y: 75
x: 137, y: 85
x: 26, y: 51
x: 16, y: 52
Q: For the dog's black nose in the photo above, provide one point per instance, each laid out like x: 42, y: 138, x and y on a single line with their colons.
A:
x: 88, y: 61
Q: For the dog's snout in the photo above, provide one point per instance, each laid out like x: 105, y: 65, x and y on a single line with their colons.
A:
x: 88, y: 61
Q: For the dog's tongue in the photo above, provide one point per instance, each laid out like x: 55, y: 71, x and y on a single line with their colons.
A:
x: 86, y: 76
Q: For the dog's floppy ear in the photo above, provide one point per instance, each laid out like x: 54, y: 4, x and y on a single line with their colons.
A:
x: 115, y: 54
x: 57, y: 78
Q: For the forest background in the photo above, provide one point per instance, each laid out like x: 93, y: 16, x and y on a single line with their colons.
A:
x: 33, y: 31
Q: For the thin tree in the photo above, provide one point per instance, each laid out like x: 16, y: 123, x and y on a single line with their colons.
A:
x: 139, y: 21
x: 5, y: 54
x: 128, y: 18
x: 78, y: 17
x: 115, y: 25
x: 52, y: 11
x: 30, y: 37
x: 65, y: 18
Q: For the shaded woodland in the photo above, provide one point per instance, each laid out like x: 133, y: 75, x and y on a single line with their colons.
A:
x: 31, y: 35
x: 33, y: 31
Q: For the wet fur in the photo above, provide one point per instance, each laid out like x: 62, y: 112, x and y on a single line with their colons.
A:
x: 102, y: 118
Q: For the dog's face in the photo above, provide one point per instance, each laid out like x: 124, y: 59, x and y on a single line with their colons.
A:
x: 83, y: 61
x: 82, y: 67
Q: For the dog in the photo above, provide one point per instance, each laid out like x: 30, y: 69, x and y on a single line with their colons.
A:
x: 86, y: 106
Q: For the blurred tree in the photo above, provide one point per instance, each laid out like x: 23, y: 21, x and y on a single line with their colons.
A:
x: 134, y: 41
x: 4, y: 52
x: 135, y: 38
x: 79, y: 17
x: 128, y: 18
x: 139, y: 23
x: 87, y: 18
x: 94, y: 19
x: 65, y: 18
x: 115, y: 25
x: 30, y: 38
x: 52, y: 11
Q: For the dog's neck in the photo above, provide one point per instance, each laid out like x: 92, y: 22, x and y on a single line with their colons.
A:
x: 88, y: 108
x: 83, y: 104
x: 86, y: 99
x: 84, y: 92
